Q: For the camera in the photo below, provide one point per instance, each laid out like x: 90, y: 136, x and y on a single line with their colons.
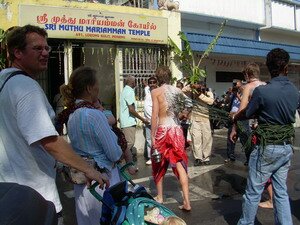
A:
x: 234, y: 82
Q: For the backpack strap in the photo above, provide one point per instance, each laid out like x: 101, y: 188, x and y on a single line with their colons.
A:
x: 12, y: 75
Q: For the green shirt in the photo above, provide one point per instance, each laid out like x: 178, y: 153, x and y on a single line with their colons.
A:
x: 127, y: 98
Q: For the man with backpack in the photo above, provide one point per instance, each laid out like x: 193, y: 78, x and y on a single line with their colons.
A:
x: 29, y: 143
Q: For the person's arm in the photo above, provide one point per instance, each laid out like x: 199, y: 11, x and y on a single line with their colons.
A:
x: 239, y: 96
x: 254, y: 103
x: 245, y: 99
x: 233, y: 134
x: 240, y: 114
x: 130, y: 102
x: 36, y: 126
x: 251, y: 109
x: 132, y: 111
x: 154, y: 118
x: 208, y: 99
x: 128, y: 158
x: 186, y: 89
x: 63, y: 152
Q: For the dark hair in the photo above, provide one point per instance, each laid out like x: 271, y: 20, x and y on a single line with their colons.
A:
x: 163, y: 75
x: 79, y: 80
x: 16, y: 38
x: 235, y: 89
x: 277, y: 60
x: 152, y: 79
x: 179, y: 83
x: 252, y: 70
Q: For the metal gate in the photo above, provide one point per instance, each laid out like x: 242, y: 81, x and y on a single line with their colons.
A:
x: 141, y: 62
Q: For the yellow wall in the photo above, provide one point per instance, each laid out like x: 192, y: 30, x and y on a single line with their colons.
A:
x: 9, y: 11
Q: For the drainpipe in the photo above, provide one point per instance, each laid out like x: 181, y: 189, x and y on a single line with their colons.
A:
x: 295, y: 15
x: 119, y: 79
x: 68, y: 60
x: 268, y: 13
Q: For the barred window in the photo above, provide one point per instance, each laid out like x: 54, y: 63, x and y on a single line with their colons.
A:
x: 142, y: 62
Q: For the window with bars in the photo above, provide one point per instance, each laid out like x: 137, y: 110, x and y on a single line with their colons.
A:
x: 142, y: 62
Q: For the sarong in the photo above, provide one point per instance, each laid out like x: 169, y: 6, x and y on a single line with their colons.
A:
x: 169, y: 141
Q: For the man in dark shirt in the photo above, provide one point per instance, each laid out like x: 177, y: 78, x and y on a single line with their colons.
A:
x: 274, y: 105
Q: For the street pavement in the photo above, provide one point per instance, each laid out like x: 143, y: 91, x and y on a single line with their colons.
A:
x: 215, y: 190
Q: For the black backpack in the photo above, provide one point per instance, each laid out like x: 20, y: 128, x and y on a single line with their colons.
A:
x: 22, y: 205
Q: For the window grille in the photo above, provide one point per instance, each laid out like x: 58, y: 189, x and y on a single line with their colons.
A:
x: 142, y: 62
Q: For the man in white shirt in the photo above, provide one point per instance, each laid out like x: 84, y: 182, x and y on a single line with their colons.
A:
x: 152, y: 84
x: 29, y: 143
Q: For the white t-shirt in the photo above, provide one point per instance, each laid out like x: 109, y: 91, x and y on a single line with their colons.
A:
x: 148, y: 106
x: 26, y: 117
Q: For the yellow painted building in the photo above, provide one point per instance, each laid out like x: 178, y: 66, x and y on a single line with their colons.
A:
x: 116, y: 40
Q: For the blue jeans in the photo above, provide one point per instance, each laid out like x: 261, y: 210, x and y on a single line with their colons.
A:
x: 274, y: 162
x: 242, y: 134
x: 148, y: 141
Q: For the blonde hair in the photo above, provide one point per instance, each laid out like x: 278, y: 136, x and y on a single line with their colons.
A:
x: 163, y: 75
x: 252, y: 70
x: 174, y: 220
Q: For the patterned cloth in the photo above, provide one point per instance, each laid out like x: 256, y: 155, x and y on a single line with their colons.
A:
x: 169, y: 141
x: 63, y: 117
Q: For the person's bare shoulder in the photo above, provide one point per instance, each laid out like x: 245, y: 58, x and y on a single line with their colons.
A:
x: 157, y: 91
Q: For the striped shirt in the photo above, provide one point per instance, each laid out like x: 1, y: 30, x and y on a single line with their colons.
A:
x: 91, y: 135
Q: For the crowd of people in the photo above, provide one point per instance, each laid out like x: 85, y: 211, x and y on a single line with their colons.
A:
x: 30, y: 141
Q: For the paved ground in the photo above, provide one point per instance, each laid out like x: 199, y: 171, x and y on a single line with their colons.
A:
x: 216, y: 190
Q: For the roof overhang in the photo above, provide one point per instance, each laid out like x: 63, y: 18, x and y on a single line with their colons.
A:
x: 238, y: 46
x: 281, y: 31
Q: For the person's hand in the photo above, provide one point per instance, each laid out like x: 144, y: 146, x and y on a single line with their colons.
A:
x: 195, y: 86
x: 146, y: 122
x: 231, y: 115
x: 101, y: 178
x: 233, y: 135
x: 132, y: 170
x: 182, y: 116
